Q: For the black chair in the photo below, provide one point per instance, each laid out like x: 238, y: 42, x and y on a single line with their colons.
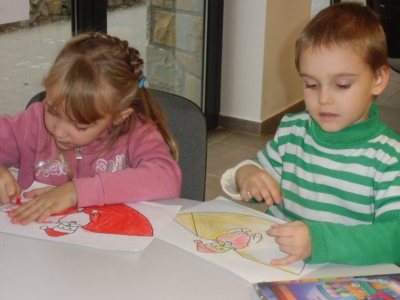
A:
x: 188, y: 125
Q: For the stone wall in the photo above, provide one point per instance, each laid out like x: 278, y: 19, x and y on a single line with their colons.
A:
x: 49, y: 11
x: 174, y: 53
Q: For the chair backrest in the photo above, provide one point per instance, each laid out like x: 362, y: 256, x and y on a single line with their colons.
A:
x: 187, y: 124
x: 37, y: 98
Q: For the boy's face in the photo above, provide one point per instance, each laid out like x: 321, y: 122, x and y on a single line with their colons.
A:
x: 338, y: 86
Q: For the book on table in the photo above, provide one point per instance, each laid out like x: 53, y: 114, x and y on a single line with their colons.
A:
x: 384, y: 287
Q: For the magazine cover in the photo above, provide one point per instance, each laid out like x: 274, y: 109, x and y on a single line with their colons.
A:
x: 384, y: 287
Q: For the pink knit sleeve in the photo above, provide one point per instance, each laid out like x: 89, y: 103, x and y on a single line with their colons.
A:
x: 152, y: 175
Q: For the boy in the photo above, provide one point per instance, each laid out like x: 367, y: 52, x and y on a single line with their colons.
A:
x: 337, y: 165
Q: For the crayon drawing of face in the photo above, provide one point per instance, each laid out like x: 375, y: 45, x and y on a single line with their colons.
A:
x: 233, y: 240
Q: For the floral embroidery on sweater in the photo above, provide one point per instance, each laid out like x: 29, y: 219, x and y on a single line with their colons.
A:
x: 51, y: 168
x: 103, y: 165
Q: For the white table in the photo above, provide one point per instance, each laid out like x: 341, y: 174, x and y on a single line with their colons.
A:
x: 38, y: 269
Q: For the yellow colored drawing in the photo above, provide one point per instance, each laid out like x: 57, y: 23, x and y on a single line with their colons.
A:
x: 221, y: 232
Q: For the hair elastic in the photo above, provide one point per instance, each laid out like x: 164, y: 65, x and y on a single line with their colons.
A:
x: 142, y: 81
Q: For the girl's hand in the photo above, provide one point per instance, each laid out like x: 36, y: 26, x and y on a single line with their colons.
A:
x: 10, y: 190
x: 294, y: 239
x: 255, y: 182
x: 46, y: 201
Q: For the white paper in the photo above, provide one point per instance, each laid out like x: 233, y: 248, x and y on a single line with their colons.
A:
x: 203, y: 230
x: 14, y: 11
x: 122, y: 227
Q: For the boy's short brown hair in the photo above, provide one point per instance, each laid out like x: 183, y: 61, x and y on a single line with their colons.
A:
x: 346, y: 24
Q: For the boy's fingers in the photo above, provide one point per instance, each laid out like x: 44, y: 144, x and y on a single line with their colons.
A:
x: 245, y: 195
x: 284, y: 261
x: 275, y: 193
x: 279, y: 230
x: 268, y: 198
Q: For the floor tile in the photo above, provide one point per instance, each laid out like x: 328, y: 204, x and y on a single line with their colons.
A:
x: 256, y: 142
x: 221, y: 156
x: 261, y: 207
x: 218, y: 134
x: 213, y: 188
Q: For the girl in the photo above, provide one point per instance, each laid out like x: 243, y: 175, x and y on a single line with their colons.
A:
x: 98, y: 136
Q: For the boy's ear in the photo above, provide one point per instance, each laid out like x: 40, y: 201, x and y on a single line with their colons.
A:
x: 123, y: 115
x: 381, y: 80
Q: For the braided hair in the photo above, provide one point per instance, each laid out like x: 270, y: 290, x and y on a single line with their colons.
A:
x: 95, y: 75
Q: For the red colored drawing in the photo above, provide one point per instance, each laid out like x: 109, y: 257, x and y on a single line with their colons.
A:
x: 109, y: 219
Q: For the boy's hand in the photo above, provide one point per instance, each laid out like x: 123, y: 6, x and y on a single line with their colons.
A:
x: 252, y: 181
x: 294, y: 239
x: 46, y: 201
x: 10, y: 191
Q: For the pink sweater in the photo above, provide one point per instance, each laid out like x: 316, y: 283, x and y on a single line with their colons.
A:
x: 138, y: 168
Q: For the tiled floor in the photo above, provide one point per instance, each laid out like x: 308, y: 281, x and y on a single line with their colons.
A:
x: 22, y: 71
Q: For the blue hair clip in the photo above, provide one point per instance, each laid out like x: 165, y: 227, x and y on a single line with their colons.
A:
x: 142, y: 81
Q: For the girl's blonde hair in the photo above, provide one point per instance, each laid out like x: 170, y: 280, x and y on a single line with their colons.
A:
x: 347, y: 24
x: 96, y: 75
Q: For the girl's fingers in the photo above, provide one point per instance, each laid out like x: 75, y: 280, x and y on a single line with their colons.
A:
x: 26, y: 213
x: 4, y: 198
x: 37, y: 192
x: 11, y: 193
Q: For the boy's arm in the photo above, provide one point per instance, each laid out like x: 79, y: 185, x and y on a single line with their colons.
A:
x: 268, y: 160
x: 360, y: 244
x: 228, y: 181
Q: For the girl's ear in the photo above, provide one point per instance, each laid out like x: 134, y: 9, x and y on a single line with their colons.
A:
x: 381, y: 80
x: 123, y: 115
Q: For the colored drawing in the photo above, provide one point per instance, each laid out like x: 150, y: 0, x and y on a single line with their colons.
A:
x: 109, y: 219
x: 222, y: 232
x: 123, y: 227
x: 232, y: 236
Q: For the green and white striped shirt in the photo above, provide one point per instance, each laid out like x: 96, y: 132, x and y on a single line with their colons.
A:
x: 342, y: 184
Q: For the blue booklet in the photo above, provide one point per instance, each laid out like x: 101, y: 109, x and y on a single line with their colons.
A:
x: 384, y: 287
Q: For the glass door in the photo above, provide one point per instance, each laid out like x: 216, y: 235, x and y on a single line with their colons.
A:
x: 168, y: 35
x: 180, y: 42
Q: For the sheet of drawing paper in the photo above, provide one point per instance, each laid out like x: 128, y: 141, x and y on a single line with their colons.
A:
x: 122, y: 227
x: 233, y: 237
x: 14, y: 11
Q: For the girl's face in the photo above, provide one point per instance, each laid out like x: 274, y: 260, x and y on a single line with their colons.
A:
x: 69, y: 135
x: 338, y: 86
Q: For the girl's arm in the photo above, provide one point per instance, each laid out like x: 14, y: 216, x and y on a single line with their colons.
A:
x: 12, y: 130
x: 153, y: 175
